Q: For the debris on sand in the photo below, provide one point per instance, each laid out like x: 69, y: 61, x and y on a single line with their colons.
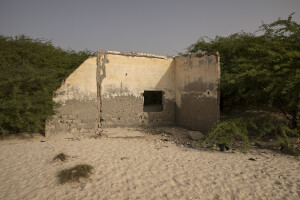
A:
x: 76, y: 173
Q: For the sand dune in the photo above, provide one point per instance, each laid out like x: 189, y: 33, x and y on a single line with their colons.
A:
x: 143, y: 168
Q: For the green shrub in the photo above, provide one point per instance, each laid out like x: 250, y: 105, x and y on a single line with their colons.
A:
x: 30, y: 71
x: 75, y: 174
x: 228, y: 132
x: 243, y: 129
x: 258, y: 73
x: 61, y: 156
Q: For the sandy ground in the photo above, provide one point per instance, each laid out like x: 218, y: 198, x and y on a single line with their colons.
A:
x: 142, y: 167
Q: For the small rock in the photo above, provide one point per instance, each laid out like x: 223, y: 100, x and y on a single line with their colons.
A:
x: 252, y: 159
x: 190, y: 146
x: 278, y: 182
x: 195, y: 135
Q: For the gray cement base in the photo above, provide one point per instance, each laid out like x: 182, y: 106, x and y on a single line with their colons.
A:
x: 74, y: 117
x: 122, y: 133
x: 127, y: 111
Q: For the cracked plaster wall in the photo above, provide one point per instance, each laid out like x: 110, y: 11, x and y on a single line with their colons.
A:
x: 77, y: 98
x: 108, y: 91
x: 126, y: 77
x: 197, y: 96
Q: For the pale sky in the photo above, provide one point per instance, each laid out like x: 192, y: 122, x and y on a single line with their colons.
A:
x: 162, y: 27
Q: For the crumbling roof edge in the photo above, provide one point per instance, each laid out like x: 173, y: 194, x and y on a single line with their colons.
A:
x: 133, y: 54
x: 200, y: 54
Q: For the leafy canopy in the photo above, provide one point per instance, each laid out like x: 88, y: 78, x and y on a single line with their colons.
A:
x: 30, y: 71
x: 260, y: 83
x: 259, y: 72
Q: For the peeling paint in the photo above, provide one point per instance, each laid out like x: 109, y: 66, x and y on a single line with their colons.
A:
x: 113, y: 85
x: 196, y: 80
x: 80, y: 85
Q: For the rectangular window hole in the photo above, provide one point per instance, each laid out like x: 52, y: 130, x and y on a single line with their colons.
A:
x: 153, y: 101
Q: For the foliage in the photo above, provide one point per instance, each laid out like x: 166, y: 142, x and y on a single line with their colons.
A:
x: 76, y: 173
x: 62, y: 157
x: 241, y: 129
x: 258, y: 72
x: 30, y: 71
x: 229, y: 133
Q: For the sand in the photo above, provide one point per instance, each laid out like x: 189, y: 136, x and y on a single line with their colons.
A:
x: 142, y: 167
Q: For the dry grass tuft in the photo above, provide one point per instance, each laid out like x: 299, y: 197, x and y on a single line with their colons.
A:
x: 62, y: 157
x: 76, y: 173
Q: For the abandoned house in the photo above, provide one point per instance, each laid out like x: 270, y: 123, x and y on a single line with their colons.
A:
x: 134, y: 89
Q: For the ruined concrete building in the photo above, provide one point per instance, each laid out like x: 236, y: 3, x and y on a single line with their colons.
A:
x: 135, y: 89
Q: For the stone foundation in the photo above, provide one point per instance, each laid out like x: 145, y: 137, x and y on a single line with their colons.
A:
x: 74, y: 116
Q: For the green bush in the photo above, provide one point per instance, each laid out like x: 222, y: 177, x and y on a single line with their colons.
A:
x: 229, y: 133
x: 30, y: 71
x: 259, y: 74
x: 239, y: 130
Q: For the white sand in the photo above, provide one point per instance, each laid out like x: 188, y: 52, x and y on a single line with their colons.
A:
x: 143, y: 168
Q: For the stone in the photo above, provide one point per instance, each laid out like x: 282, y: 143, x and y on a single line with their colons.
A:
x: 90, y: 125
x: 73, y: 130
x: 195, y: 135
x: 85, y: 130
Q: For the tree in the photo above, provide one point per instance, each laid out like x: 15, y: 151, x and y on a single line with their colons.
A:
x: 260, y: 82
x: 260, y: 72
x: 30, y: 71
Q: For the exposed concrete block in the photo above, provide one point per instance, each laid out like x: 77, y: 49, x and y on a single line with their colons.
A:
x: 85, y: 130
x: 89, y: 125
x: 109, y: 123
x: 63, y: 128
x: 73, y: 130
x: 72, y: 117
x: 87, y: 120
x: 114, y: 119
x: 76, y: 121
x: 115, y: 133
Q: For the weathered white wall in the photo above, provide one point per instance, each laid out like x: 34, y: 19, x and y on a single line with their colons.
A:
x: 130, y: 75
x: 77, y: 97
x: 108, y: 91
x: 126, y: 77
x: 80, y: 85
x: 197, y: 99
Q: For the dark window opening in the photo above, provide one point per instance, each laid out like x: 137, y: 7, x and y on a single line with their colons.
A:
x: 153, y: 101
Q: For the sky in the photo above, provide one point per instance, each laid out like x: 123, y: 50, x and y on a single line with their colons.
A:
x: 163, y: 27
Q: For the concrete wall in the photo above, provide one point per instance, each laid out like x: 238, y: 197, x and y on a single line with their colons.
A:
x: 108, y: 91
x: 197, y: 98
x: 77, y: 97
x: 123, y: 79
